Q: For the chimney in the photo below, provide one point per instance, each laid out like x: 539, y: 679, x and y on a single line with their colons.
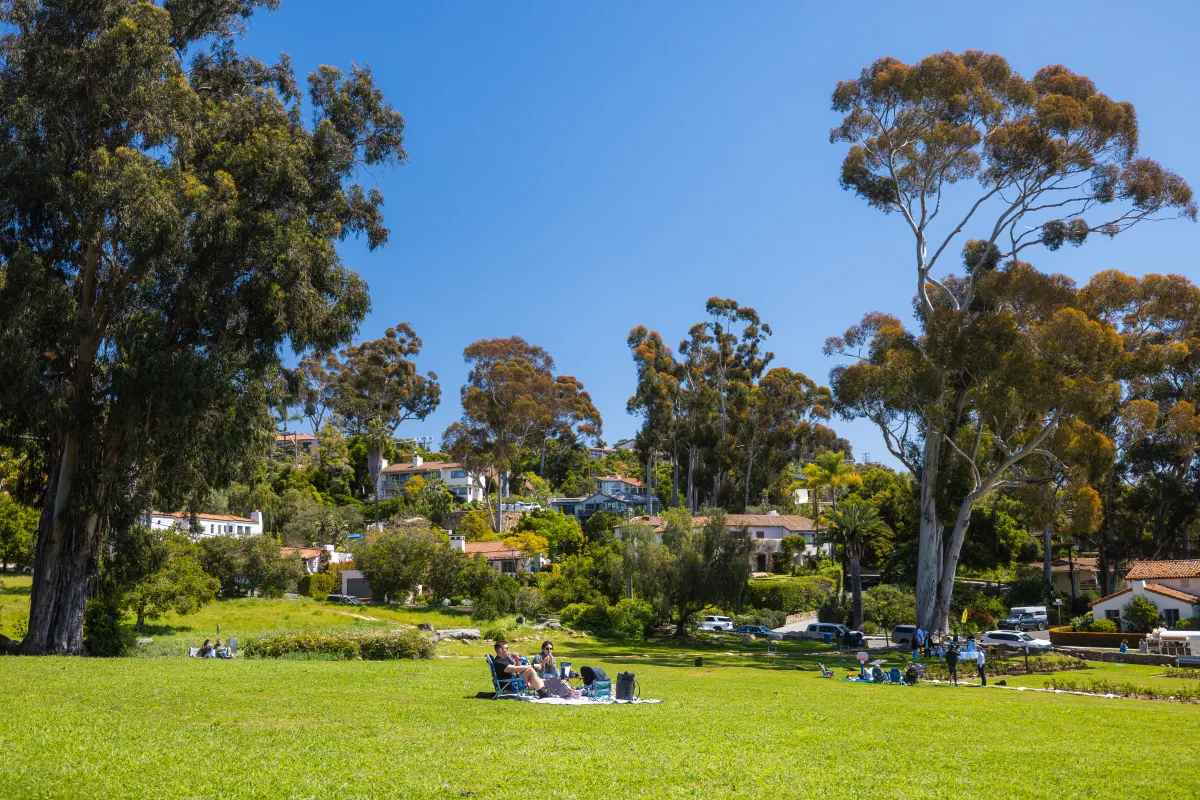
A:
x: 458, y: 541
x: 1139, y: 587
x: 772, y: 513
x: 256, y: 516
x: 417, y: 460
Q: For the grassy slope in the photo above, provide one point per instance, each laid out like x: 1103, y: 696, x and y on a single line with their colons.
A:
x: 162, y: 727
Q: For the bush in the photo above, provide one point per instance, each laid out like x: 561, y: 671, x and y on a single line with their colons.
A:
x: 529, y: 602
x: 348, y: 646
x: 1103, y: 626
x: 1141, y: 615
x: 569, y: 616
x: 495, y: 633
x: 319, y: 585
x: 791, y: 595
x: 101, y: 630
x: 766, y: 616
x: 630, y: 619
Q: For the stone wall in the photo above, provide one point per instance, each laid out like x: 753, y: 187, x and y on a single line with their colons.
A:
x: 808, y: 617
x: 1065, y: 637
x: 508, y: 519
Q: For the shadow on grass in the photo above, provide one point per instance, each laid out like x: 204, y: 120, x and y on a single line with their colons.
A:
x: 15, y: 590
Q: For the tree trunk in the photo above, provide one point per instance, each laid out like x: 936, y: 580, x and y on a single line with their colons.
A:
x: 675, y: 472
x: 856, y: 592
x: 690, y: 479
x: 681, y: 629
x: 1047, y: 566
x: 374, y: 467
x: 950, y: 562
x: 65, y: 559
x: 1071, y: 567
x: 140, y: 625
x: 929, y: 558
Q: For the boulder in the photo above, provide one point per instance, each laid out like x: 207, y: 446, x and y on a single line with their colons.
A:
x: 553, y: 625
x: 145, y: 640
x: 425, y: 626
x: 459, y: 633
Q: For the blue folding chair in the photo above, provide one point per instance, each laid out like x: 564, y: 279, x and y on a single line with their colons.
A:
x: 894, y: 675
x: 504, y: 686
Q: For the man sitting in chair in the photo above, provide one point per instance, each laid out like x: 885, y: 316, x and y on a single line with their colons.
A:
x: 509, y: 665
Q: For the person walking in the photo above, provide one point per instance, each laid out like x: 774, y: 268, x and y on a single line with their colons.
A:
x: 980, y: 658
x: 952, y: 663
x: 918, y: 643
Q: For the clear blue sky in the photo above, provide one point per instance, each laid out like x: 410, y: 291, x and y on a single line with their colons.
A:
x: 581, y: 168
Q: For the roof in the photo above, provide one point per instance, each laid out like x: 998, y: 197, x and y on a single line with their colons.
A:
x: 295, y: 437
x: 1167, y: 591
x: 427, y: 466
x: 630, y: 481
x: 1062, y: 565
x: 217, y: 517
x: 1149, y: 570
x: 1157, y: 588
x: 491, y: 550
x: 790, y: 522
x: 305, y: 552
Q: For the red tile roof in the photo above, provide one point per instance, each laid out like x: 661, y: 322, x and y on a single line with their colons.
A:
x: 295, y: 437
x: 1148, y: 570
x: 630, y: 481
x: 491, y: 550
x: 305, y: 552
x: 428, y: 466
x: 218, y: 517
x: 1167, y: 591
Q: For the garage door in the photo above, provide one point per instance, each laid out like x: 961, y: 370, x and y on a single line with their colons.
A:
x: 358, y: 587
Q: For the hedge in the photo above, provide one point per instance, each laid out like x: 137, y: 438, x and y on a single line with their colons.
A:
x: 1066, y: 637
x: 349, y: 646
x: 789, y: 595
x: 319, y: 585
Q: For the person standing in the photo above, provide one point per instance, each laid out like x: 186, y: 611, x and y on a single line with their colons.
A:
x: 952, y: 663
x: 980, y: 658
x: 918, y: 643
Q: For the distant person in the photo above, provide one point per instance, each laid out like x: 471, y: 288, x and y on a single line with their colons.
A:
x: 206, y: 650
x: 918, y: 642
x: 952, y: 663
x: 1124, y: 645
x: 545, y: 660
x: 980, y: 658
x: 1143, y: 648
x: 508, y: 665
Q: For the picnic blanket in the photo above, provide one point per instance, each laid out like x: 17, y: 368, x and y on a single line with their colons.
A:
x: 580, y: 701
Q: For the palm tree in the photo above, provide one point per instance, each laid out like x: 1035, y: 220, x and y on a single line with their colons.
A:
x: 855, y: 528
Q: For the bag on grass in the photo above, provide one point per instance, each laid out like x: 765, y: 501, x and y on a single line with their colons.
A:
x: 592, y: 674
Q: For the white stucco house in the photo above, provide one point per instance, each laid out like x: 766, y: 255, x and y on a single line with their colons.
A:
x: 499, y: 556
x: 465, y: 486
x: 766, y: 530
x: 622, y: 496
x: 1172, y: 586
x: 208, y: 524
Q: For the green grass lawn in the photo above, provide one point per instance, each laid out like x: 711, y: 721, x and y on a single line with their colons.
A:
x: 738, y: 726
x: 734, y: 728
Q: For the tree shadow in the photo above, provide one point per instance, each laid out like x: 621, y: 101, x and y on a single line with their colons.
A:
x: 152, y: 629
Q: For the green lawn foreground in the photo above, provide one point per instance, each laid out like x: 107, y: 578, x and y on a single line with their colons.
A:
x: 735, y: 727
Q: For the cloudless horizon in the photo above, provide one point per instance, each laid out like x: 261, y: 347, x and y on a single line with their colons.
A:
x: 580, y: 169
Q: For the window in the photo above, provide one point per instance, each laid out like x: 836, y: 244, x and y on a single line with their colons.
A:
x: 760, y: 534
x: 1113, y: 614
x: 508, y: 567
x: 808, y: 539
x: 458, y: 473
x: 1171, y: 615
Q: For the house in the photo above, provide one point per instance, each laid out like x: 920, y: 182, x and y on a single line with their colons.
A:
x: 625, y: 444
x: 208, y: 524
x: 499, y: 556
x: 621, y: 496
x: 465, y: 486
x: 311, y: 556
x: 767, y: 531
x: 355, y: 584
x: 599, y: 453
x: 1087, y: 574
x: 1172, y: 586
x: 290, y: 442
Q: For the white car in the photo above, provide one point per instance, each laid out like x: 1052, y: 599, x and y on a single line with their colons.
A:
x: 1018, y: 639
x: 713, y: 622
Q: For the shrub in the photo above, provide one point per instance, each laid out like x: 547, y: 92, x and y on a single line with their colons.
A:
x: 631, y: 618
x: 101, y: 630
x: 319, y: 585
x: 495, y: 632
x: 1141, y: 615
x: 595, y: 619
x: 791, y: 595
x: 370, y: 646
x: 569, y: 616
x: 767, y: 617
x: 529, y: 602
x: 1103, y: 626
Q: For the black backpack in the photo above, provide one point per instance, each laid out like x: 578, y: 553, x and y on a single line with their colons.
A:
x: 592, y: 674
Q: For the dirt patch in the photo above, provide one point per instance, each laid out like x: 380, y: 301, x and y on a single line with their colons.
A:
x: 356, y: 616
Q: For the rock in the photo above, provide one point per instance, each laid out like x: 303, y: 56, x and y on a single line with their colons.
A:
x: 145, y: 640
x: 459, y: 633
x: 554, y: 626
x: 425, y: 626
x: 520, y: 620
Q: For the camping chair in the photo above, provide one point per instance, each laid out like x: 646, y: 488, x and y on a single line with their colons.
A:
x: 825, y: 673
x: 233, y: 647
x: 510, y: 686
x: 894, y: 675
x: 193, y: 652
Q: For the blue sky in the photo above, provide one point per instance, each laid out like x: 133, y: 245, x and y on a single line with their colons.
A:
x: 581, y: 168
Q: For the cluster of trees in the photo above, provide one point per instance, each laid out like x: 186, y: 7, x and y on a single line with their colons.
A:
x: 726, y: 425
x: 1016, y: 378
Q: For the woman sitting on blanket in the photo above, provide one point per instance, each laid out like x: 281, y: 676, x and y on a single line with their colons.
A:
x: 545, y: 662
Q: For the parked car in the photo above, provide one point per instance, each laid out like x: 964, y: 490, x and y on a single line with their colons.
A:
x: 904, y: 634
x: 345, y: 599
x: 758, y: 630
x: 1014, y: 639
x: 714, y: 622
x: 837, y: 633
x: 1022, y: 622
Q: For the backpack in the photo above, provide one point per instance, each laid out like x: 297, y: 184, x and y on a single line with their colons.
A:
x: 592, y: 674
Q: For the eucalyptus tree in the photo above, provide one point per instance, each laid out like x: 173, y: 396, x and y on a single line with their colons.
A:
x: 1004, y: 353
x: 168, y: 223
x: 378, y: 388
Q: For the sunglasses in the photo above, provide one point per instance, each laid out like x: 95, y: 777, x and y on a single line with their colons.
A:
x: 544, y: 649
